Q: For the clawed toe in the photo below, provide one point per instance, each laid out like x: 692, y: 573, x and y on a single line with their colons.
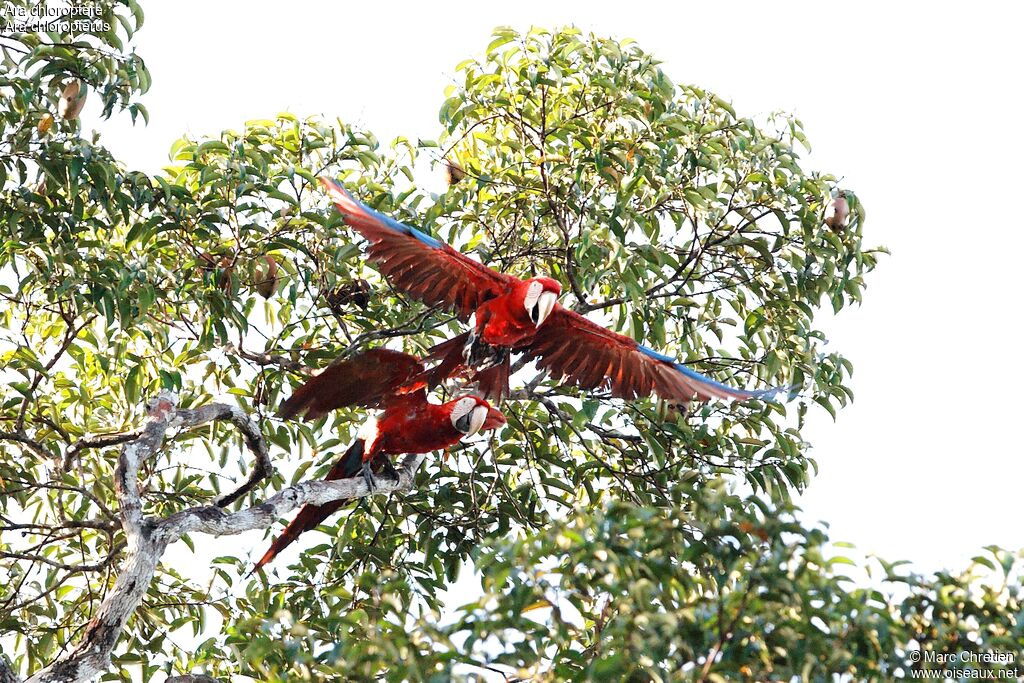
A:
x: 371, y: 482
x: 388, y: 470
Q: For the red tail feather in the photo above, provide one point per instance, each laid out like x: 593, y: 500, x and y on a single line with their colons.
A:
x: 310, y: 516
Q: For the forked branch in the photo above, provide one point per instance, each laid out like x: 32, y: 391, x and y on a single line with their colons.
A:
x: 148, y: 537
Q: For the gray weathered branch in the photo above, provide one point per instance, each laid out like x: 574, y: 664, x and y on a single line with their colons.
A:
x: 96, y: 441
x: 148, y: 537
x: 6, y: 675
x: 216, y: 521
x: 250, y: 432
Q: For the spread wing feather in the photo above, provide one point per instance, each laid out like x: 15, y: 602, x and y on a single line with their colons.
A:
x: 368, y: 379
x: 588, y: 356
x: 418, y: 264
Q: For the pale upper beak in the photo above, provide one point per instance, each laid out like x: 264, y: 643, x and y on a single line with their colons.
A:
x: 470, y: 423
x: 481, y: 417
x: 542, y: 309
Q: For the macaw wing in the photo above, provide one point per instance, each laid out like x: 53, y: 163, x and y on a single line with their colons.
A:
x: 588, y: 356
x: 368, y: 379
x: 416, y: 263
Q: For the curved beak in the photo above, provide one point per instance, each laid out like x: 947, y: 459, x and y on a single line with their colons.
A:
x: 494, y: 419
x: 470, y: 423
x: 542, y: 309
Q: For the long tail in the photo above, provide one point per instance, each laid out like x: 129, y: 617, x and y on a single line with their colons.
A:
x: 310, y: 516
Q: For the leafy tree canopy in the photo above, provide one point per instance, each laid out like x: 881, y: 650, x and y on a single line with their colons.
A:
x: 614, y: 540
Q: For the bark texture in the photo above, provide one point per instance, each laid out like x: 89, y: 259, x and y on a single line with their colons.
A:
x: 148, y: 537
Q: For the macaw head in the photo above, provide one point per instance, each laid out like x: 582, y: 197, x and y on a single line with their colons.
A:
x: 539, y: 297
x: 470, y: 414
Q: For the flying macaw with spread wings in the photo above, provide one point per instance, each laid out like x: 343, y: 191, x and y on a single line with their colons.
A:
x: 522, y: 316
x: 379, y: 378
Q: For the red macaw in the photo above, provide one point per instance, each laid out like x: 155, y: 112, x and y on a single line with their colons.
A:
x: 513, y: 315
x: 409, y: 423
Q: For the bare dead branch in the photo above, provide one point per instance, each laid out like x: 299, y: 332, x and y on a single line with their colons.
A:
x: 254, y: 441
x: 97, y: 441
x: 147, y: 537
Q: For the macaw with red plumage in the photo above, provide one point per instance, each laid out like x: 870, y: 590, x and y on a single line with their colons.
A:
x: 380, y: 378
x: 523, y: 316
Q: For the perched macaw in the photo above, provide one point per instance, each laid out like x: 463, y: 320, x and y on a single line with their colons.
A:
x: 512, y: 315
x: 408, y: 424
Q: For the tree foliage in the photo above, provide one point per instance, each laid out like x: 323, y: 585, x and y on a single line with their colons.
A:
x: 614, y: 540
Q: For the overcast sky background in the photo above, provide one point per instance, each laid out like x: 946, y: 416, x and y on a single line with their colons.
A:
x: 918, y: 109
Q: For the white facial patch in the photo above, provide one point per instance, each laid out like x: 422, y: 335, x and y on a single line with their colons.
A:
x: 462, y: 408
x: 468, y: 416
x: 532, y: 294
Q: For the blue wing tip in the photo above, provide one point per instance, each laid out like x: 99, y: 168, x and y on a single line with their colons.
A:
x: 767, y: 394
x: 391, y: 222
x: 425, y: 238
x: 648, y: 351
x: 774, y: 394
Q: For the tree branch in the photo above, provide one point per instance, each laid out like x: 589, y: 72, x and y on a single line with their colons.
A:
x: 31, y: 444
x: 97, y: 441
x: 215, y: 521
x: 253, y: 440
x: 147, y: 537
x: 264, y: 359
x: 6, y: 675
x: 72, y: 568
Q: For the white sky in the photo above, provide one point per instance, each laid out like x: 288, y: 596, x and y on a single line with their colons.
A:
x: 917, y: 108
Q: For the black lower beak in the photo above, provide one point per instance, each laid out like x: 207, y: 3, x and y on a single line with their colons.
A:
x: 462, y: 425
